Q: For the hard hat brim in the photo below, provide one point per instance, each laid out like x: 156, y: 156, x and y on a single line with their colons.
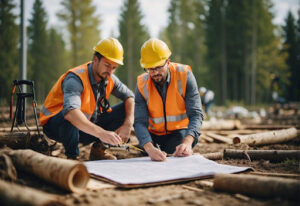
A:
x: 152, y: 65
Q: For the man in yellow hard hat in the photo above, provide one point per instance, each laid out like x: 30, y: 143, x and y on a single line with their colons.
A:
x: 77, y: 108
x: 168, y: 111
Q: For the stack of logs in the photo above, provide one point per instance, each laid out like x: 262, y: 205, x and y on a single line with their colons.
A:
x: 256, y: 184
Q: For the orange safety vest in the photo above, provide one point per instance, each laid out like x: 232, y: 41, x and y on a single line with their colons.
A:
x: 165, y: 118
x: 54, y: 101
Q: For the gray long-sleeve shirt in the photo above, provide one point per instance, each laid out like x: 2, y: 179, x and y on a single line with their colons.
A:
x: 72, y: 88
x: 192, y: 105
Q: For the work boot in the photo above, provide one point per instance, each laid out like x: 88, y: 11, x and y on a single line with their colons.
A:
x: 99, y: 152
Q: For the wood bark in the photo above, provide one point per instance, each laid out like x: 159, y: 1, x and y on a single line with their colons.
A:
x: 68, y: 174
x: 17, y: 140
x: 272, y: 137
x: 219, y: 138
x: 267, y: 187
x: 272, y: 155
x: 220, y: 125
x: 213, y: 155
x: 13, y: 194
x: 22, y: 129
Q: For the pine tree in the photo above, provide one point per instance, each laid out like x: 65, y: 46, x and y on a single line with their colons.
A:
x: 132, y: 36
x: 9, y: 51
x: 185, y: 35
x: 291, y: 45
x: 216, y: 51
x: 38, y: 49
x: 58, y: 60
x: 82, y: 25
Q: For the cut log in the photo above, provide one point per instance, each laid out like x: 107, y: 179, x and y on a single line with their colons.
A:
x: 267, y: 187
x: 68, y: 174
x: 272, y: 155
x: 220, y: 125
x: 213, y: 155
x: 13, y: 194
x: 17, y: 140
x: 219, y: 138
x: 294, y: 176
x: 271, y: 137
x: 22, y: 129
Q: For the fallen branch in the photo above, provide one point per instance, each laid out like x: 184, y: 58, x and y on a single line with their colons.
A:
x: 219, y: 138
x: 206, y: 138
x: 257, y: 186
x: 272, y: 155
x: 68, y: 174
x: 192, y: 188
x: 271, y: 137
x: 13, y: 194
x: 213, y: 155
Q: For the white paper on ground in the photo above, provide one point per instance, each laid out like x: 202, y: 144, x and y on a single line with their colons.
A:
x: 142, y: 170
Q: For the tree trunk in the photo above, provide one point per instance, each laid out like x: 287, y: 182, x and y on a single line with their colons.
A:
x: 254, y: 48
x: 268, y: 187
x: 13, y: 194
x: 271, y: 137
x: 223, y: 55
x: 272, y: 155
x: 68, y: 174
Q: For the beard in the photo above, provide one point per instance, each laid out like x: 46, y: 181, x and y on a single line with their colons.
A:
x: 104, y: 75
x: 159, y: 79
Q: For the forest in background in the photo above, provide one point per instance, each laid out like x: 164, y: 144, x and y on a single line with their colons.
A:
x: 232, y: 46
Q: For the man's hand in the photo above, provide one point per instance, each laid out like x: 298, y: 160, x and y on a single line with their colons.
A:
x: 185, y: 148
x: 110, y: 137
x: 124, y: 132
x: 154, y: 153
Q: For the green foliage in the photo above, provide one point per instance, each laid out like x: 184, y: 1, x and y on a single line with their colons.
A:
x: 38, y: 48
x: 46, y: 52
x: 81, y: 23
x: 9, y: 51
x: 291, y: 42
x: 185, y: 35
x: 132, y: 36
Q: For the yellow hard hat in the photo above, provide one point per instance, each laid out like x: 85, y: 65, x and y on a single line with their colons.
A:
x: 154, y: 52
x: 111, y: 49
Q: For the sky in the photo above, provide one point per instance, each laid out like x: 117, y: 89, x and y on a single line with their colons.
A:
x: 154, y: 11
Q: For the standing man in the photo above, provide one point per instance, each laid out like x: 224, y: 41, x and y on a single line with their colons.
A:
x: 168, y: 112
x: 77, y: 108
x: 207, y: 98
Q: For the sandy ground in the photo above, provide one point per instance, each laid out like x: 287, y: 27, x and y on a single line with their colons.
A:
x: 172, y: 194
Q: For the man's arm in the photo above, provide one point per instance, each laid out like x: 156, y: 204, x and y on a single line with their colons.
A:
x: 125, y: 129
x: 194, y: 113
x: 140, y: 126
x: 72, y: 89
x: 79, y: 120
x: 122, y: 92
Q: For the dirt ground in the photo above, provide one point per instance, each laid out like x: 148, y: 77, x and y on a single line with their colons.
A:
x: 172, y: 194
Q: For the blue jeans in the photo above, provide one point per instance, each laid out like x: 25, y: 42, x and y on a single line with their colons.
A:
x: 61, y: 130
x: 169, y: 142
